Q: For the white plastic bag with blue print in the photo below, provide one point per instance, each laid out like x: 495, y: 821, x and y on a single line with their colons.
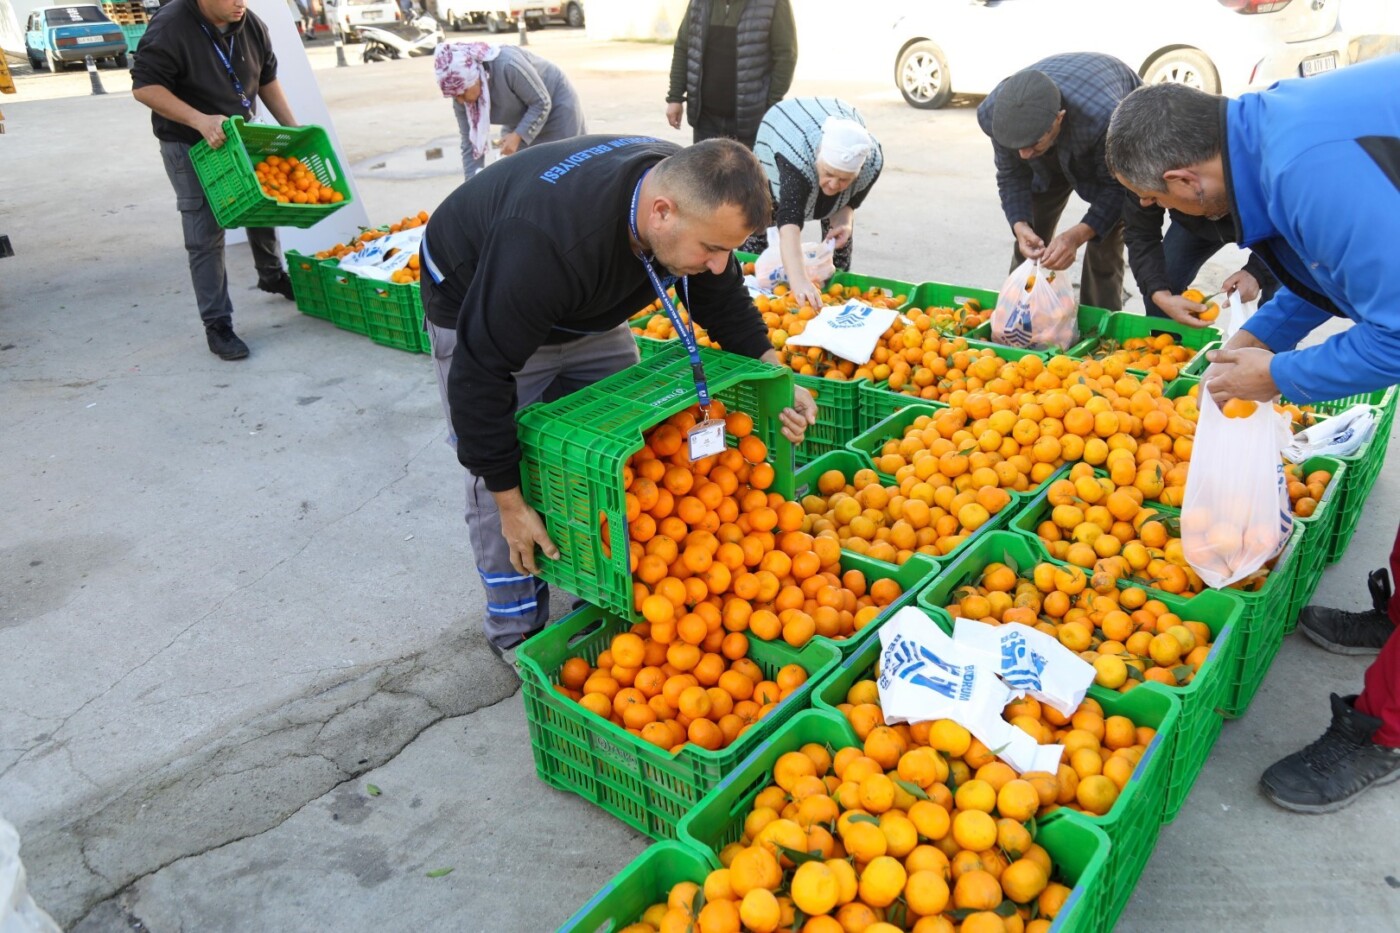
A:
x: 851, y: 330
x: 925, y: 675
x: 1029, y: 662
x: 1339, y: 436
x: 1036, y: 309
x: 1236, y: 514
x: 380, y: 258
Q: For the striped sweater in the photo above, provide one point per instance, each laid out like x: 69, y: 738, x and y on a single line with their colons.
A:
x: 788, y: 139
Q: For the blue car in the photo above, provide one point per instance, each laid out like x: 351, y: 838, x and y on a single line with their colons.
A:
x: 59, y: 35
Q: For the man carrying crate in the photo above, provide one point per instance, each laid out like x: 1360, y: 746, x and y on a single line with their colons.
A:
x: 1310, y: 172
x: 200, y: 62
x: 530, y: 272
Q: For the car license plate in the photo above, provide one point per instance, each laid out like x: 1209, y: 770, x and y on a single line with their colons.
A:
x: 371, y: 14
x: 88, y: 40
x: 1318, y: 64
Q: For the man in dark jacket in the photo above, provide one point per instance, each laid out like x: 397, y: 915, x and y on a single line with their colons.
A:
x: 1047, y: 125
x: 1166, y: 265
x: 733, y: 60
x: 200, y: 62
x: 530, y: 271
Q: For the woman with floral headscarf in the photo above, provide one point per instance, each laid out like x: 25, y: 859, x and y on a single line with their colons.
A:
x: 510, y: 87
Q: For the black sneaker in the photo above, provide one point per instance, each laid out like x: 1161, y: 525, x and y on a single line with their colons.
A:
x: 1337, y: 768
x: 1353, y: 633
x: 278, y: 284
x: 223, y: 342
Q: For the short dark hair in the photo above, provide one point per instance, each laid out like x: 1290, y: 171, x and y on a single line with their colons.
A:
x: 716, y: 172
x: 1159, y: 128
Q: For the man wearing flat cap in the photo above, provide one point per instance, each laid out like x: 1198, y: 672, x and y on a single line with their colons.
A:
x: 1047, y: 125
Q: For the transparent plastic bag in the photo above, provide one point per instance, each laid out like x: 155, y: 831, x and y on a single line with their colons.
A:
x: 18, y: 912
x: 817, y: 257
x: 1036, y: 309
x: 1235, y: 516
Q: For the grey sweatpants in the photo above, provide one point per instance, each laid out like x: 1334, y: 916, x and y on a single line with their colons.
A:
x: 204, y: 238
x: 517, y: 605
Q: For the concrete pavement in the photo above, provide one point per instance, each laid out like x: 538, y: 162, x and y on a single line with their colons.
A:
x: 234, y: 595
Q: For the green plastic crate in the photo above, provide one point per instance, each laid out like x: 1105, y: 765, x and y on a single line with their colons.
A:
x: 648, y: 788
x: 393, y: 314
x: 1202, y: 701
x: 308, y: 287
x: 942, y: 295
x: 838, y: 416
x: 1322, y: 531
x: 1081, y: 851
x: 644, y: 881
x: 878, y: 401
x: 343, y: 298
x: 912, y: 576
x: 234, y: 193
x: 1265, y: 613
x: 133, y: 33
x: 574, y: 450
x: 849, y: 462
x: 869, y: 442
x: 1119, y: 326
x: 892, y: 287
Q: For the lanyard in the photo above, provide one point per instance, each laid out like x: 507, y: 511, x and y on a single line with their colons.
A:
x: 228, y: 66
x: 685, y: 330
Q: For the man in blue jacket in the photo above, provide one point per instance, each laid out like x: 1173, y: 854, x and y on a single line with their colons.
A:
x: 1310, y: 171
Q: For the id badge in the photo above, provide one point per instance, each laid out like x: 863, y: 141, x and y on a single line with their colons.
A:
x: 706, y: 439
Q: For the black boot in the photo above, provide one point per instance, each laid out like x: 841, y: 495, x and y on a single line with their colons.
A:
x: 1358, y: 633
x: 223, y: 342
x: 277, y: 284
x: 1335, y: 770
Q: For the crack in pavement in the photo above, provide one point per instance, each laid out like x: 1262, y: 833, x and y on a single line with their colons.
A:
x: 350, y: 778
x: 251, y: 778
x: 54, y: 733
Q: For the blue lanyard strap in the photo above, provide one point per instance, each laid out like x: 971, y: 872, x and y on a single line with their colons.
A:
x: 228, y: 66
x: 685, y: 330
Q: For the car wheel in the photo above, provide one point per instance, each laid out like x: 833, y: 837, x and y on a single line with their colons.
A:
x: 533, y: 23
x: 921, y: 74
x: 453, y: 23
x: 36, y: 63
x: 121, y: 61
x: 1183, y: 66
x: 575, y: 16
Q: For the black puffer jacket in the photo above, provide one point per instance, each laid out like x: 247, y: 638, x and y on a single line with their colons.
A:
x: 766, y: 56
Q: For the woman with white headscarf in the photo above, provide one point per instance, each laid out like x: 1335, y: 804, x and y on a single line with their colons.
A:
x: 821, y: 163
x: 507, y: 86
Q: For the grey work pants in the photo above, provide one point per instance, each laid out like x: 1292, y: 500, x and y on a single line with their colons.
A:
x: 517, y: 605
x: 204, y: 238
x: 1101, y: 279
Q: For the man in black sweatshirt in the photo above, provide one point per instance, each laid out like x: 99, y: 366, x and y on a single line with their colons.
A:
x: 1165, y: 265
x: 530, y: 272
x: 200, y: 62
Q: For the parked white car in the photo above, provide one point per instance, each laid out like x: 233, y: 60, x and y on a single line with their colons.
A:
x: 942, y: 47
